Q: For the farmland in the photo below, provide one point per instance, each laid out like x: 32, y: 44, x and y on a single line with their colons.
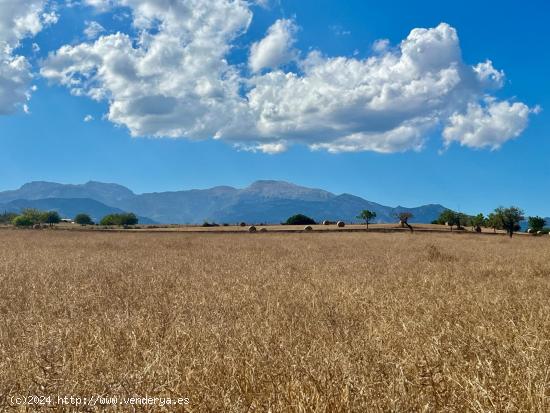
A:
x: 320, y: 322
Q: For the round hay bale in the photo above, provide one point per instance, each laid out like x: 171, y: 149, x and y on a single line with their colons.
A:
x: 530, y: 231
x: 539, y: 232
x: 341, y: 224
x: 252, y: 229
x: 308, y: 228
x: 263, y: 230
x: 325, y: 222
x: 36, y: 226
x: 242, y: 224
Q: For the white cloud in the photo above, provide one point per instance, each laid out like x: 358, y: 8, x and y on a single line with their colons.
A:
x: 268, y: 148
x: 489, y: 125
x: 381, y: 45
x: 276, y: 48
x: 174, y: 80
x: 339, y: 30
x: 88, y: 118
x: 488, y: 75
x: 93, y: 29
x: 18, y: 20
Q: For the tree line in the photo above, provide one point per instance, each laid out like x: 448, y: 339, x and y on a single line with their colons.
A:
x: 30, y: 217
x: 506, y: 219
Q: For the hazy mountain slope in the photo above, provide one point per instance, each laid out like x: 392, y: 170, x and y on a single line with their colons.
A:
x: 67, y: 207
x: 109, y: 194
x: 263, y: 201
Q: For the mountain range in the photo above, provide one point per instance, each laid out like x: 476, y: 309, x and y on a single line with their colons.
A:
x: 261, y: 202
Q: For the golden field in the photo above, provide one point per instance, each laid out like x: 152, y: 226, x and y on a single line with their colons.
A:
x: 332, y: 322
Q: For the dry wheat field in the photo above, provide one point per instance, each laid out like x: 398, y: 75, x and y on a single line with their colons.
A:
x: 277, y: 322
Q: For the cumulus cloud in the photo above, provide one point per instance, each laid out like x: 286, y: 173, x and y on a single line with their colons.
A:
x: 381, y: 45
x: 88, y: 118
x: 93, y: 29
x: 489, y: 125
x: 276, y: 48
x: 174, y: 80
x: 18, y: 20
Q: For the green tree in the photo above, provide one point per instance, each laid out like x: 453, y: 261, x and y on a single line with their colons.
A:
x: 494, y: 221
x: 120, y: 219
x: 300, y: 219
x: 448, y: 217
x: 50, y: 218
x: 536, y: 223
x: 510, y: 218
x: 367, y: 216
x: 22, y: 221
x: 478, y: 221
x: 34, y: 215
x: 83, y: 219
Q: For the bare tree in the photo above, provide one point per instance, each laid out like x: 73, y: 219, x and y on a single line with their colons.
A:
x: 404, y: 220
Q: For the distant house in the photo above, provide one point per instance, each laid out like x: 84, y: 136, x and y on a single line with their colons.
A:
x: 67, y: 220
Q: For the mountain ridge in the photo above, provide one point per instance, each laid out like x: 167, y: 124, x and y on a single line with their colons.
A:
x: 266, y: 201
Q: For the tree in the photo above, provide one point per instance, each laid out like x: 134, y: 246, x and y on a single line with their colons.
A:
x: 510, y: 218
x: 448, y: 217
x: 22, y: 221
x: 478, y: 221
x: 50, y: 217
x: 367, y: 216
x: 404, y: 219
x: 83, y: 219
x: 34, y: 215
x: 300, y: 219
x: 494, y: 221
x: 536, y: 223
x: 120, y: 219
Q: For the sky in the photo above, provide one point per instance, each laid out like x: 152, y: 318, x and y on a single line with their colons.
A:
x: 402, y: 103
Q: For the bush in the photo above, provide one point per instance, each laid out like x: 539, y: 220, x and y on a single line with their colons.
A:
x: 119, y: 219
x: 22, y: 221
x: 83, y: 219
x: 300, y: 219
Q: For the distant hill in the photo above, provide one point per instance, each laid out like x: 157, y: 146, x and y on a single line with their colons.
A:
x: 109, y: 194
x: 67, y: 207
x: 263, y: 201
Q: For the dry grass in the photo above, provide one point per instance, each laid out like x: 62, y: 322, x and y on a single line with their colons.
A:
x: 279, y: 322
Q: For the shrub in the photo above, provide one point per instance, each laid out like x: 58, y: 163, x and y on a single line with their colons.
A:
x: 300, y: 219
x: 22, y: 221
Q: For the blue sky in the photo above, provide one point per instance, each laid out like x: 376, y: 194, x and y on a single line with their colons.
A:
x: 53, y: 142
